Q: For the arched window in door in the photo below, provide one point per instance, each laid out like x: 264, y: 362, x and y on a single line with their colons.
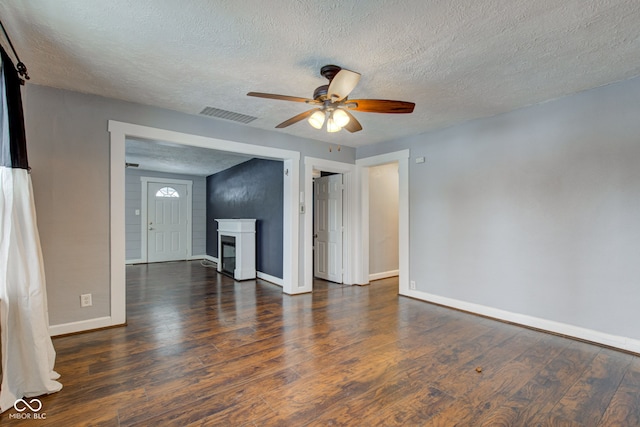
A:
x: 167, y: 192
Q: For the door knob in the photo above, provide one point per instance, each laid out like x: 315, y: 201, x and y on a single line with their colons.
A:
x: 150, y: 228
x: 315, y: 236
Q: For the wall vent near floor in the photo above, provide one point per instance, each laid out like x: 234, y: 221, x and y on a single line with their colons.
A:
x: 227, y: 115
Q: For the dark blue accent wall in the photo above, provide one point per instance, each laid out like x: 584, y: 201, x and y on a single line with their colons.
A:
x: 253, y: 189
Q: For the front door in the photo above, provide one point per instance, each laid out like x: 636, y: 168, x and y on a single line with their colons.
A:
x: 327, y: 220
x: 166, y: 222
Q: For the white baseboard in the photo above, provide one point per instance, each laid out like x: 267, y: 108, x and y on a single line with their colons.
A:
x: 269, y: 278
x: 384, y: 275
x: 190, y: 258
x: 259, y: 274
x: 616, y: 341
x: 81, y: 326
x: 209, y: 258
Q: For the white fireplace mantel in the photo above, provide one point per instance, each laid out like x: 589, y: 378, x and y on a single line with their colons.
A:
x: 244, y: 233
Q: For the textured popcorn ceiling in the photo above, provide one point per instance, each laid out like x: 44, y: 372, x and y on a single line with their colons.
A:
x: 166, y: 157
x: 456, y: 59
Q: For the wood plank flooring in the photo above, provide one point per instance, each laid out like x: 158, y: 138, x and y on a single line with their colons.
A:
x: 201, y: 349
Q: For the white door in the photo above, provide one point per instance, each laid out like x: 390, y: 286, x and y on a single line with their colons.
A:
x: 166, y: 222
x: 327, y: 220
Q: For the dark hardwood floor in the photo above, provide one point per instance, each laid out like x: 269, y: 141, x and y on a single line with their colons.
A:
x: 201, y: 349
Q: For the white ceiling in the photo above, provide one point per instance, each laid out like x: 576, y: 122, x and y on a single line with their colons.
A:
x: 456, y: 59
x: 183, y: 159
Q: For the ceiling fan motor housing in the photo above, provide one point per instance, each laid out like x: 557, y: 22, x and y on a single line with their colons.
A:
x: 320, y: 94
x: 329, y: 71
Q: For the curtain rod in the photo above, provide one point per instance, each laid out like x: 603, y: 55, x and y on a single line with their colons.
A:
x: 22, y: 69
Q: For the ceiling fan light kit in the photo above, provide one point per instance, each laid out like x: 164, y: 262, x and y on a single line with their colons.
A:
x: 332, y: 126
x: 333, y: 104
x: 336, y: 119
x: 340, y: 118
x: 317, y: 119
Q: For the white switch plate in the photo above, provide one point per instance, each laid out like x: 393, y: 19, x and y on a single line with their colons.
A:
x: 137, y: 211
x: 419, y: 159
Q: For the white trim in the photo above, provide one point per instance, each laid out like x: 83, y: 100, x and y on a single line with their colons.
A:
x: 384, y: 275
x: 82, y: 325
x: 166, y: 180
x: 118, y: 309
x: 118, y: 131
x: 291, y: 228
x: 362, y: 243
x: 191, y: 258
x: 565, y: 329
x: 209, y: 258
x: 140, y: 131
x: 349, y: 217
x: 402, y: 157
x: 349, y: 225
x: 269, y: 278
x: 144, y: 235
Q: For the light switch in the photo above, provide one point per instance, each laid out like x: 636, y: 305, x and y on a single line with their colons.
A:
x: 137, y: 212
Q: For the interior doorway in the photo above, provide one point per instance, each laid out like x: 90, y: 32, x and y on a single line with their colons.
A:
x: 383, y: 221
x: 402, y: 159
x: 312, y: 169
x: 118, y: 132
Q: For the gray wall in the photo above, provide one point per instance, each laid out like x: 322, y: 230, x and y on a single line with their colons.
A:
x: 535, y: 212
x: 383, y: 218
x: 253, y: 189
x: 68, y: 145
x: 133, y: 201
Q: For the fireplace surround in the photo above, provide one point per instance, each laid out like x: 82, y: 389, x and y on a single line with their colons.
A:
x: 237, y: 248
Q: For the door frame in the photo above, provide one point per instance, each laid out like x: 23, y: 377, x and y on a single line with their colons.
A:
x: 144, y: 233
x: 118, y: 132
x: 402, y: 157
x: 349, y: 217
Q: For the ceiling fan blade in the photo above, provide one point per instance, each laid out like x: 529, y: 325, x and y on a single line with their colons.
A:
x: 353, y: 125
x: 380, y: 106
x: 282, y: 97
x: 342, y: 84
x: 296, y: 119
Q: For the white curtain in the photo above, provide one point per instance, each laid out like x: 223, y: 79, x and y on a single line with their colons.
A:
x: 27, y: 352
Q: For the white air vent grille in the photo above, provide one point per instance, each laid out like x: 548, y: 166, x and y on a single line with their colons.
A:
x: 227, y: 115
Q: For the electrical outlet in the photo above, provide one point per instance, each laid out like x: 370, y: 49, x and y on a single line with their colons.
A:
x: 412, y: 285
x: 85, y: 300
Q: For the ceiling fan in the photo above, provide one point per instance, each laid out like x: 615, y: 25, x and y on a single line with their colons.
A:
x: 333, y: 106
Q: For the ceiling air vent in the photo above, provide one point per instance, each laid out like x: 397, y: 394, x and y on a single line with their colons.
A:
x: 227, y: 115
